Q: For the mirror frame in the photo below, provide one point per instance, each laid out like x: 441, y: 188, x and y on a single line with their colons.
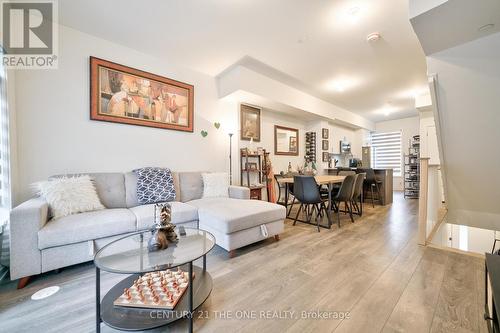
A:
x: 276, y: 127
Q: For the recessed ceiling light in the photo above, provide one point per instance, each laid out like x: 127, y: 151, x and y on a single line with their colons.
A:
x: 485, y: 27
x: 373, y: 37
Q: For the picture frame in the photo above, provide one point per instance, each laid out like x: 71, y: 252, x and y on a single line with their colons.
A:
x: 326, y: 156
x: 126, y: 95
x: 324, y: 133
x: 283, y: 142
x: 252, y: 166
x: 325, y: 144
x: 250, y: 123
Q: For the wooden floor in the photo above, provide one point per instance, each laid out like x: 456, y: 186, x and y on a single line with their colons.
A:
x: 369, y: 276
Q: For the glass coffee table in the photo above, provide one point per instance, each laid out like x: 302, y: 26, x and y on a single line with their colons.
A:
x: 130, y: 255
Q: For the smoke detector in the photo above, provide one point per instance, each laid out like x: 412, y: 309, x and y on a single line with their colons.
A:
x: 373, y: 37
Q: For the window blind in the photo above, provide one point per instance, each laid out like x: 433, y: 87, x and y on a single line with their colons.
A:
x: 386, y: 151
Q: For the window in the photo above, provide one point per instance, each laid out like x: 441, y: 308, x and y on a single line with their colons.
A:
x: 386, y: 151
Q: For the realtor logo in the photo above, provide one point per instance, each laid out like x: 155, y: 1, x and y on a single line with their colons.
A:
x: 29, y: 34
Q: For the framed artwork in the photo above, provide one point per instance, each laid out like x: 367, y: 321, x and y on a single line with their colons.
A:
x: 126, y: 95
x: 326, y: 156
x: 324, y: 133
x: 250, y: 123
x: 325, y: 144
x: 252, y: 166
x: 286, y: 141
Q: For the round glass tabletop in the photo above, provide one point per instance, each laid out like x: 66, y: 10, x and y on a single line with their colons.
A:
x: 129, y: 255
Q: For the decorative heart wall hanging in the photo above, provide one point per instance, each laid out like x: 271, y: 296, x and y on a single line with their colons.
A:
x: 204, y: 133
x: 217, y: 125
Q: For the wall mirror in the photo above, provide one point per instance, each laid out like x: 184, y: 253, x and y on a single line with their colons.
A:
x: 286, y: 141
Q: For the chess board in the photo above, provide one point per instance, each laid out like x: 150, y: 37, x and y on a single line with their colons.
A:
x: 157, y: 290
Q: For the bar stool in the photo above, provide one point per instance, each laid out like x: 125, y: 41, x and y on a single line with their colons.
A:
x: 372, y: 183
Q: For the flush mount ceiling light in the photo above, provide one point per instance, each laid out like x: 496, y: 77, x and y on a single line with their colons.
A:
x: 353, y: 13
x: 373, y: 37
x: 486, y: 27
x: 387, y: 110
x: 341, y: 84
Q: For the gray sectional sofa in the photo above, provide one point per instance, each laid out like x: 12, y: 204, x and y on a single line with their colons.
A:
x: 39, y: 245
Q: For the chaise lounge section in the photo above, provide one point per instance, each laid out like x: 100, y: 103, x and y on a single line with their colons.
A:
x: 39, y: 244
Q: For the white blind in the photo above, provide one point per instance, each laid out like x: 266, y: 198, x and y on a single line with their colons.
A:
x: 386, y: 151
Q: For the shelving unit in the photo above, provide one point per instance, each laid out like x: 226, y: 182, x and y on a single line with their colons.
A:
x: 252, y: 178
x: 412, y: 169
x: 311, y: 147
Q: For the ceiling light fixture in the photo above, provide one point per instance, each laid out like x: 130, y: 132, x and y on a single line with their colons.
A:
x: 486, y: 27
x: 341, y: 84
x: 354, y: 11
x: 373, y: 37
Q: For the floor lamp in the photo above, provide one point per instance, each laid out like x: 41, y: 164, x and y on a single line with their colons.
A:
x: 230, y: 159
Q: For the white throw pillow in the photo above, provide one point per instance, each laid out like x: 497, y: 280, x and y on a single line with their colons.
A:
x: 69, y: 195
x: 215, y: 185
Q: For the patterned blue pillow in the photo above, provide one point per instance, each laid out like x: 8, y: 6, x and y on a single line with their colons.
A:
x: 154, y: 185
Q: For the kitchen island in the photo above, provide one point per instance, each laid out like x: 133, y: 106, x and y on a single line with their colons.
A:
x: 385, y: 175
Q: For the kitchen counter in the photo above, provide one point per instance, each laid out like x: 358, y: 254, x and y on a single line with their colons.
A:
x: 385, y: 175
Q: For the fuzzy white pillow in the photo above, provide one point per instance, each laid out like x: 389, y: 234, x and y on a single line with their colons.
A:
x: 69, y: 195
x: 215, y: 185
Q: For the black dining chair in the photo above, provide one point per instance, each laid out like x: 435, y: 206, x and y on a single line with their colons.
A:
x: 283, y: 187
x: 372, y: 182
x: 357, y: 196
x: 345, y: 196
x: 306, y: 191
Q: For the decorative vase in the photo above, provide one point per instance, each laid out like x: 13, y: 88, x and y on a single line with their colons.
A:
x: 163, y: 230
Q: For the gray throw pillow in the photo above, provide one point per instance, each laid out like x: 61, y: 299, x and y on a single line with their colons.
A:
x: 154, y: 185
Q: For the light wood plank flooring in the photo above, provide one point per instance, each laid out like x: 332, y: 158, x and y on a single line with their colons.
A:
x: 373, y: 270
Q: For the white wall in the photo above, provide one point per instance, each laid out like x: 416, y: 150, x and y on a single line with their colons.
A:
x: 468, y: 99
x: 56, y: 136
x: 409, y: 127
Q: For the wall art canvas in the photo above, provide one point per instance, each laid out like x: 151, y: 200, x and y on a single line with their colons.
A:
x: 127, y: 95
x: 325, y: 144
x: 250, y: 123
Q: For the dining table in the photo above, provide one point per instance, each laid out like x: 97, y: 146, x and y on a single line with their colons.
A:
x: 328, y: 180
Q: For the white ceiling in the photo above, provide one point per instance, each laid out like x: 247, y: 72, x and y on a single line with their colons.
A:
x: 309, y: 42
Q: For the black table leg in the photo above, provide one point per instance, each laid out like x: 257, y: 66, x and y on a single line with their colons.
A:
x: 190, y: 300
x: 329, y: 212
x: 286, y: 199
x: 204, y: 263
x: 98, y: 299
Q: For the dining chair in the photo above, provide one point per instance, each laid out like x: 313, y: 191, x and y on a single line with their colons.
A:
x: 358, y: 193
x: 372, y: 182
x: 346, y: 173
x: 282, y: 186
x: 277, y: 178
x: 345, y: 196
x: 306, y: 191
